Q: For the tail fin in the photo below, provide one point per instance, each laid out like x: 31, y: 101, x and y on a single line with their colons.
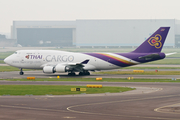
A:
x: 154, y: 43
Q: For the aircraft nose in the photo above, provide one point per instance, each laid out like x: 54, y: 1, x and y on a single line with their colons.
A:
x: 7, y: 60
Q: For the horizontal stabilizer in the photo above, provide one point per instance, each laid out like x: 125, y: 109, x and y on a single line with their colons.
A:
x: 170, y: 53
x: 151, y: 56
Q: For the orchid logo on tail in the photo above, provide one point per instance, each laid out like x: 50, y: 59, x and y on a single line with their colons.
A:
x: 155, y: 41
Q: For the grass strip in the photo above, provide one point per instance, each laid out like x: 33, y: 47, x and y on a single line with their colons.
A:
x: 2, y: 62
x: 94, y: 80
x: 10, y: 68
x: 144, y: 73
x: 165, y: 62
x: 3, y: 55
x: 55, y: 90
x: 146, y: 68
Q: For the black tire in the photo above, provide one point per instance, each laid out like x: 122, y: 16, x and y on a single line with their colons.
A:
x: 21, y: 73
x: 81, y: 73
x: 87, y: 73
x: 71, y: 74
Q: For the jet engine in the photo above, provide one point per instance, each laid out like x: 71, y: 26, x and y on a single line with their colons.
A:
x: 57, y: 68
x: 61, y: 68
x: 48, y: 69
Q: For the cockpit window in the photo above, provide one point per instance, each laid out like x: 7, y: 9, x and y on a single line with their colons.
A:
x: 15, y: 53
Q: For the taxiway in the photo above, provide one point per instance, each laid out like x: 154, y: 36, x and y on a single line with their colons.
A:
x: 151, y: 101
x: 40, y: 74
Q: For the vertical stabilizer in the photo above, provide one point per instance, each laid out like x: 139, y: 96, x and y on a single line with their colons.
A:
x: 155, y: 42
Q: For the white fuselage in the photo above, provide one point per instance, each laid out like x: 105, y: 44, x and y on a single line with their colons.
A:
x: 37, y: 59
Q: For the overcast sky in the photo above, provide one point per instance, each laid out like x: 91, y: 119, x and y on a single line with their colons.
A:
x: 60, y: 10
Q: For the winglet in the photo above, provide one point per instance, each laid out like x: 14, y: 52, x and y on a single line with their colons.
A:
x: 85, y: 62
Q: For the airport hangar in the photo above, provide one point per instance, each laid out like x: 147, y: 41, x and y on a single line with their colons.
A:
x: 92, y: 33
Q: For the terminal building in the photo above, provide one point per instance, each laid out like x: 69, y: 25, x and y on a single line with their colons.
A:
x: 92, y: 33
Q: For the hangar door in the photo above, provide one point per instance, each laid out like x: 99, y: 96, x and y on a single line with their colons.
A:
x: 45, y: 36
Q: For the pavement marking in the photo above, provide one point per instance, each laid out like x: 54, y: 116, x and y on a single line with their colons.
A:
x: 41, y: 98
x: 158, y: 109
x: 20, y: 104
x: 69, y: 108
x: 30, y: 108
x: 26, y: 119
x: 69, y: 117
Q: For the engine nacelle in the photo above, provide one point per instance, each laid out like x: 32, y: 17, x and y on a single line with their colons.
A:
x: 48, y: 69
x: 58, y: 68
x: 61, y: 68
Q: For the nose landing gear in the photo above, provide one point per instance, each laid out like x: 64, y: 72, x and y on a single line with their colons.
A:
x: 21, y: 72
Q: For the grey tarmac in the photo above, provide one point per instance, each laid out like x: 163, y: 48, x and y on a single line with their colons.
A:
x: 40, y: 74
x: 147, y: 102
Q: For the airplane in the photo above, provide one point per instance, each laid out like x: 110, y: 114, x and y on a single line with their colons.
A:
x: 51, y: 61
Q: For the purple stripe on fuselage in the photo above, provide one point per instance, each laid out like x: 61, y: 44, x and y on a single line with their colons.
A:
x: 132, y: 56
x: 108, y: 59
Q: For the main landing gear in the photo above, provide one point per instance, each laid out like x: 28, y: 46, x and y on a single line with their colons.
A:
x: 84, y: 73
x: 80, y: 73
x: 72, y: 74
x: 21, y: 72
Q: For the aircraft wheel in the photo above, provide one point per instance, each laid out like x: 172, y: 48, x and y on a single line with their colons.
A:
x: 71, y: 74
x: 21, y: 73
x: 81, y: 73
x: 87, y: 73
x: 84, y: 73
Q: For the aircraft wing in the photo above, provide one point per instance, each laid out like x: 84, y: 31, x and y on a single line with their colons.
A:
x: 76, y: 66
x: 64, y: 67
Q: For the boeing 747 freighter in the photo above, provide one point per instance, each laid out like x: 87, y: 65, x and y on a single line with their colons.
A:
x: 51, y: 61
